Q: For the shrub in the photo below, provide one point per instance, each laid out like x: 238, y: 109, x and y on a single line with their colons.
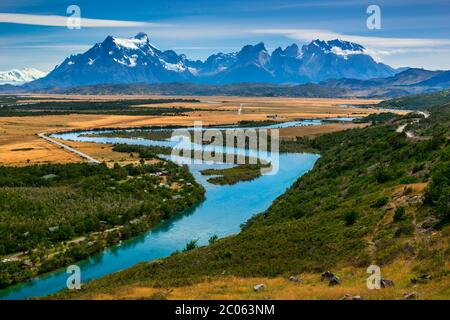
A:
x: 227, y: 254
x: 213, y: 239
x: 191, y: 245
x: 350, y: 218
x: 382, y: 175
x: 404, y: 229
x: 399, y: 214
x: 380, y: 202
x: 438, y: 192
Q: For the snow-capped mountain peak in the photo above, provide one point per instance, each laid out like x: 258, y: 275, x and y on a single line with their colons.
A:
x: 20, y: 76
x: 336, y: 46
x: 135, y: 43
x: 337, y: 59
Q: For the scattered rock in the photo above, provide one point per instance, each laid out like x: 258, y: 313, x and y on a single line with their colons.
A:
x: 410, y: 295
x: 385, y: 283
x: 416, y: 200
x: 390, y: 206
x: 427, y: 224
x: 259, y: 287
x: 49, y: 176
x: 295, y: 279
x: 409, y: 249
x: 350, y: 297
x: 334, y: 281
x: 160, y: 295
x: 422, y: 279
x: 331, y: 278
x: 327, y: 275
x: 53, y: 229
x: 26, y: 264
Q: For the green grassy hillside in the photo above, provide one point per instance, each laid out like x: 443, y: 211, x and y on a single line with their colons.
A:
x: 418, y: 101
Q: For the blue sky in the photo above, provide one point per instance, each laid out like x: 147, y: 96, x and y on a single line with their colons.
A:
x: 413, y: 33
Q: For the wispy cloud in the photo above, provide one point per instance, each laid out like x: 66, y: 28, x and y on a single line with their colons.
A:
x: 61, y: 21
x: 77, y: 48
x: 380, y: 42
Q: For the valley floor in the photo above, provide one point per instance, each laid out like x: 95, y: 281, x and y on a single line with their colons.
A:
x: 20, y: 145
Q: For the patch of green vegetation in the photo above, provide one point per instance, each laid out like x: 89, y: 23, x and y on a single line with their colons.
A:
x: 145, y: 152
x: 193, y: 89
x: 213, y: 239
x: 255, y: 123
x: 55, y: 215
x: 438, y: 192
x: 380, y: 202
x: 417, y: 101
x: 12, y: 107
x: 6, y: 100
x: 191, y: 245
x: 157, y: 135
x: 350, y: 217
x: 243, y: 172
x: 377, y: 118
x: 437, y: 124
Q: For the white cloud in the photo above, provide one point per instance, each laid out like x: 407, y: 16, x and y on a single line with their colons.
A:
x: 61, y: 21
x: 380, y: 42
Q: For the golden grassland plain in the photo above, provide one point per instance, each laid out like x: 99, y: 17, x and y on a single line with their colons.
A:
x: 20, y: 145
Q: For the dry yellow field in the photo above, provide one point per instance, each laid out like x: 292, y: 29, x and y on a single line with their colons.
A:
x: 19, y: 144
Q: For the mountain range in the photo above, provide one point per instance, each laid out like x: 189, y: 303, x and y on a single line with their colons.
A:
x: 318, y: 69
x: 136, y: 60
x: 20, y: 76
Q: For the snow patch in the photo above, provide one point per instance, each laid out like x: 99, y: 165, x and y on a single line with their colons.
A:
x: 127, y: 61
x: 345, y: 53
x: 194, y: 71
x: 131, y: 43
x: 132, y: 60
x: 177, y: 67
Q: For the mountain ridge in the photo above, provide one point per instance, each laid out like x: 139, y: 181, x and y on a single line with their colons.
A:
x: 132, y: 60
x: 409, y: 81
